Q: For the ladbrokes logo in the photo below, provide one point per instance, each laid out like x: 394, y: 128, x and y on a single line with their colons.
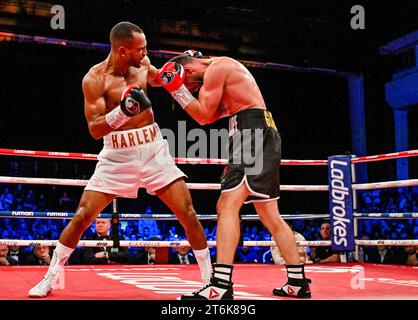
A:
x: 340, y: 203
x: 338, y: 193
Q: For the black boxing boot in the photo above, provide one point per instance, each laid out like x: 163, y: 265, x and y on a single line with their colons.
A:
x: 219, y: 287
x: 297, y: 285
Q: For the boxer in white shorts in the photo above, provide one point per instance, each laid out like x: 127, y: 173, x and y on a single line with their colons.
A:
x: 132, y: 159
x: 134, y: 155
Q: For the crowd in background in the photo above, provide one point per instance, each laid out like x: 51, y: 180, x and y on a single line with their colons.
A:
x: 22, y: 198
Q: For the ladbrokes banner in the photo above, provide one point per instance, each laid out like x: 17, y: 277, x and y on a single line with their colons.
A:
x: 341, y: 203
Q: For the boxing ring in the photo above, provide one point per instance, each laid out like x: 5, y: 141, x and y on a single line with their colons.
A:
x: 343, y: 281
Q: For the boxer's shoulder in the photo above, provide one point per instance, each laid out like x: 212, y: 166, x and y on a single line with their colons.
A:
x: 93, y: 80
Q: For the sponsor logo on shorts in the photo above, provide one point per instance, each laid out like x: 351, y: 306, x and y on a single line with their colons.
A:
x: 133, y: 138
x: 96, y: 182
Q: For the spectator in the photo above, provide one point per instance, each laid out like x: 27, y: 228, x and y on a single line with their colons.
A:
x: 365, y: 252
x: 103, y: 255
x: 40, y: 255
x: 325, y: 254
x: 277, y: 255
x: 148, y: 256
x: 17, y: 254
x: 247, y: 254
x: 7, y: 197
x: 384, y: 255
x: 5, y: 260
x: 145, y: 234
x: 182, y: 255
x: 65, y: 202
x: 408, y: 256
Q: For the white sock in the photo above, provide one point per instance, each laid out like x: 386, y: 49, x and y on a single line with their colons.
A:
x: 59, y: 258
x: 205, y: 265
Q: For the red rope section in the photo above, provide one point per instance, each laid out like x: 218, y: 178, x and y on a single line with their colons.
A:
x: 88, y: 156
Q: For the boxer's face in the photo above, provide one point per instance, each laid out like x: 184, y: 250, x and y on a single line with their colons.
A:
x: 136, y: 50
x: 193, y: 81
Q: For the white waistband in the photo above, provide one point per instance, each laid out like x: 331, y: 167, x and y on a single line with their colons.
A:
x: 133, y: 137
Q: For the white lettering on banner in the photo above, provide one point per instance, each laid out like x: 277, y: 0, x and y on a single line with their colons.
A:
x: 408, y: 283
x: 22, y: 213
x: 331, y: 269
x: 169, y: 283
x: 58, y: 154
x: 398, y: 215
x: 57, y: 214
x: 339, y: 192
x: 24, y: 151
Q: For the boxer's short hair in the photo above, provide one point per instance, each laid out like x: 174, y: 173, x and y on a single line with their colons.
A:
x: 123, y: 31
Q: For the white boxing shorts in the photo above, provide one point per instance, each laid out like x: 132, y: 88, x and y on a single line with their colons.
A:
x: 132, y: 159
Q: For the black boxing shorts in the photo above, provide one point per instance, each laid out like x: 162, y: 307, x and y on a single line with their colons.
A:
x: 254, y: 155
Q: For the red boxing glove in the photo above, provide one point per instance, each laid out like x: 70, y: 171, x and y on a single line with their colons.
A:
x: 171, y: 76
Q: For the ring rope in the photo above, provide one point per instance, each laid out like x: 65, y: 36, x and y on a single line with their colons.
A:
x: 385, y: 184
x: 167, y: 216
x: 191, y: 186
x: 215, y: 186
x: 386, y: 215
x: 145, y: 216
x: 88, y: 156
x: 173, y: 244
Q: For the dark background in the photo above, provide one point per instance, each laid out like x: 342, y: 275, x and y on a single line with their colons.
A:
x: 42, y: 102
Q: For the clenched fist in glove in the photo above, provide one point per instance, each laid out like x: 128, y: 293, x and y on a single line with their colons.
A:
x: 134, y: 100
x: 171, y: 76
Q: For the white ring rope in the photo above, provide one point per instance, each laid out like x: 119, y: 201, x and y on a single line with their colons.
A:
x: 385, y: 184
x: 215, y: 186
x: 88, y: 156
x: 173, y: 244
x: 191, y: 186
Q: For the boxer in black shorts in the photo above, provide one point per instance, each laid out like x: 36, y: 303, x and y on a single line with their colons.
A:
x: 227, y: 89
x: 264, y: 184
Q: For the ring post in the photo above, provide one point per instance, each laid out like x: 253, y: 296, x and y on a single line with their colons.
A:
x: 115, y: 226
x: 355, y: 204
x: 341, y: 203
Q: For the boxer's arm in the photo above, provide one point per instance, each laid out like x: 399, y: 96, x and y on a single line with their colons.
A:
x: 210, y: 94
x: 152, y: 77
x: 152, y: 73
x: 95, y: 107
x: 203, y: 109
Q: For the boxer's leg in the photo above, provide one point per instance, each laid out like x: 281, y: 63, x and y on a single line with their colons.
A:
x: 91, y: 204
x: 297, y: 285
x: 177, y: 197
x: 228, y: 226
x: 268, y: 212
x: 227, y: 238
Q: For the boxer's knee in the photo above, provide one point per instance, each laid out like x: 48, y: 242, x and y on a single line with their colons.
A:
x: 187, y: 214
x: 225, y: 208
x: 83, y: 217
